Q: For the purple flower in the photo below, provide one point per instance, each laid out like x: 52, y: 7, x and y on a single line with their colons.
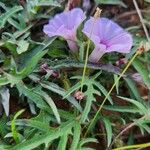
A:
x: 107, y: 37
x: 65, y: 25
x: 86, y: 4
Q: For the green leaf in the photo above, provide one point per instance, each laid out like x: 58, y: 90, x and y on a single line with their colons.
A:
x: 17, y: 34
x: 5, y: 16
x: 42, y: 126
x: 117, y: 83
x: 51, y: 103
x: 57, y: 49
x: 60, y: 64
x: 108, y: 128
x: 138, y: 65
x: 44, y: 138
x: 56, y: 89
x: 22, y: 46
x: 123, y: 109
x: 4, y: 147
x: 32, y: 95
x: 63, y: 142
x: 56, y: 53
x: 3, y: 126
x: 34, y: 5
x: 20, y: 26
x: 145, y: 127
x: 60, y: 91
x: 147, y: 1
x: 3, y: 81
x: 13, y: 126
x: 48, y: 3
x: 103, y: 90
x: 66, y: 114
x: 12, y: 79
x: 31, y: 64
x: 28, y: 61
x: 76, y: 136
x: 90, y: 83
x: 87, y: 140
x: 88, y: 95
x: 72, y: 89
x: 133, y: 88
x: 89, y: 100
x: 139, y: 105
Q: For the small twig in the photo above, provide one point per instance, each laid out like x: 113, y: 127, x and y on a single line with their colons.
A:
x: 141, y: 19
x: 136, y: 136
x: 127, y: 14
x: 93, y: 9
x: 124, y: 130
x: 127, y: 128
x: 137, y: 146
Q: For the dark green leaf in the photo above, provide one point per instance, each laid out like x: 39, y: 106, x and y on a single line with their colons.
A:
x: 139, y: 66
x: 4, y: 17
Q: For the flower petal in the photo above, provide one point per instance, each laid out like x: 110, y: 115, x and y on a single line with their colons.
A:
x: 109, y: 29
x: 65, y: 24
x: 121, y: 43
x: 77, y: 16
x: 97, y: 53
x: 91, y: 30
x: 108, y: 33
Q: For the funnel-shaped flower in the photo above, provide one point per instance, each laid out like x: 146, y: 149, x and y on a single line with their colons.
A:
x: 65, y: 25
x: 107, y: 37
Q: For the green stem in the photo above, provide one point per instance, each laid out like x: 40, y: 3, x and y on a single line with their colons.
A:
x: 87, y: 55
x: 133, y: 146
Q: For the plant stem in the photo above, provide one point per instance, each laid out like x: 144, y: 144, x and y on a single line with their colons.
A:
x: 141, y: 20
x: 87, y: 55
x: 96, y: 15
x: 133, y: 146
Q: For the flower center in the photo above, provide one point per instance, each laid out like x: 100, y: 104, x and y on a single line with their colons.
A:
x: 104, y: 43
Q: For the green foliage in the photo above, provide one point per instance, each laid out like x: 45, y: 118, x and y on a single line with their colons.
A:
x: 34, y: 5
x: 143, y: 72
x: 34, y: 72
x: 90, y: 83
x: 22, y: 46
x: 60, y: 133
x: 147, y: 1
x: 132, y: 86
x: 108, y: 130
x: 13, y: 126
x: 29, y: 60
x: 45, y: 138
x: 60, y: 64
x: 56, y: 89
x: 51, y: 103
x: 5, y: 16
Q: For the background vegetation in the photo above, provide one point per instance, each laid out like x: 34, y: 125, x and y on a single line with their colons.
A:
x: 39, y: 77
